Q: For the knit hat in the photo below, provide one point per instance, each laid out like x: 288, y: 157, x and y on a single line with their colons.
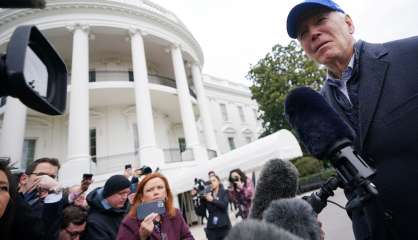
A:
x: 115, y: 184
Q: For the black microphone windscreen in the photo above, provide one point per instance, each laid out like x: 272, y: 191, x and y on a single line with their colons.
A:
x: 257, y: 230
x: 146, y: 170
x: 317, y: 125
x: 278, y: 179
x: 294, y: 215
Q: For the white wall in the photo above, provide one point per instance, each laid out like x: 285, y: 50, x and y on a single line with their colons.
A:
x: 221, y: 91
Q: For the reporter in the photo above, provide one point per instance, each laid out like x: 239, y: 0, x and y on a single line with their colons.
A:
x: 15, y: 213
x: 7, y: 208
x: 242, y: 190
x: 216, y: 203
x: 169, y: 225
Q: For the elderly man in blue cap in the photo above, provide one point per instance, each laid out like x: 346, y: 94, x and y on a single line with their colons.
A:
x: 374, y: 88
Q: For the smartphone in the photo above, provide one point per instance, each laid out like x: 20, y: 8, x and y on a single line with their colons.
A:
x: 146, y: 209
x: 87, y: 176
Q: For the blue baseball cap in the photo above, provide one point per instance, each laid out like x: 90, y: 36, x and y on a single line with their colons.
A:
x: 298, y: 10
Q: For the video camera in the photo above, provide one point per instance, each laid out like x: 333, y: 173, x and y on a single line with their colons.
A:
x: 202, y: 187
x: 32, y: 70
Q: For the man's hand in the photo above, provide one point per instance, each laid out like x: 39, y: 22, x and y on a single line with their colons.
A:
x: 47, y: 183
x: 147, y: 226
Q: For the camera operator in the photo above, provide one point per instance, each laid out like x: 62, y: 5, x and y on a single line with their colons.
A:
x: 216, y: 203
x: 201, y: 188
x: 241, y: 191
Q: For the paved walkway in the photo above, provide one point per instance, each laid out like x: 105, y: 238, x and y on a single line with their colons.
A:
x: 335, y: 221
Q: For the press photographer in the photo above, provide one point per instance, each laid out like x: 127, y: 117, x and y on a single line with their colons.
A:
x: 241, y: 192
x: 216, y: 203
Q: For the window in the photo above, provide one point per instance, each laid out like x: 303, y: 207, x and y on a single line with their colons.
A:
x: 182, y: 144
x: 231, y: 143
x: 248, y: 139
x: 131, y: 76
x: 28, y: 154
x: 224, y: 112
x: 93, y: 144
x: 241, y: 114
x: 92, y: 76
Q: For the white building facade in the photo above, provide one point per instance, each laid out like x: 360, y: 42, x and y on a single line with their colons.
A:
x: 136, y: 94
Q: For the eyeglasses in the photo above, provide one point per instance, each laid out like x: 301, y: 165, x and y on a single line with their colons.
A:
x: 42, y: 174
x: 74, y: 234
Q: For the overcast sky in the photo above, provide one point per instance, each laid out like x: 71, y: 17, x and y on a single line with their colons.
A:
x: 236, y: 33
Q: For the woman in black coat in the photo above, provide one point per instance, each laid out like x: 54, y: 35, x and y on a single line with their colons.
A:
x: 216, y: 203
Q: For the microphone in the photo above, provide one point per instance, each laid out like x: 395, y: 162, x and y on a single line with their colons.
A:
x: 278, y: 179
x: 294, y: 215
x: 318, y: 200
x: 22, y: 4
x: 254, y: 229
x: 325, y: 135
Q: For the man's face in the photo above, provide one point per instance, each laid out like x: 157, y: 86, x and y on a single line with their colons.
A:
x: 43, y: 169
x: 118, y: 199
x: 128, y: 172
x: 326, y: 36
x: 72, y: 232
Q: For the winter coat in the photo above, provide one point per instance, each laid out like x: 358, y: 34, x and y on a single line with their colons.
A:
x: 242, y: 197
x: 218, y: 210
x: 172, y: 228
x: 102, y: 223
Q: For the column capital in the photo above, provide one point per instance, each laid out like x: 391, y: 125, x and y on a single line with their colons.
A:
x: 194, y: 64
x: 75, y: 26
x: 134, y: 30
x: 172, y: 47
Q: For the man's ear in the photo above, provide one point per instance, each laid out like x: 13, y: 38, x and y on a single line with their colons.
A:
x: 349, y: 23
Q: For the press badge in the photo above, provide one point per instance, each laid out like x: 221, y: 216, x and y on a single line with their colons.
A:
x: 215, y: 220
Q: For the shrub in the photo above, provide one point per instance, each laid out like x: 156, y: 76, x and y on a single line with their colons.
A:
x: 307, y: 165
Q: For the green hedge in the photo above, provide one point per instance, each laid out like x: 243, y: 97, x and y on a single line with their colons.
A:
x: 321, y: 176
x: 307, y: 165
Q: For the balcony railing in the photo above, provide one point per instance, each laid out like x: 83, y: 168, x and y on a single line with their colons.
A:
x: 172, y: 155
x: 114, y: 163
x: 127, y: 76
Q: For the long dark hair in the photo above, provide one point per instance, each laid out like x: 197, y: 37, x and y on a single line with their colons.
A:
x: 6, y: 221
x: 241, y: 174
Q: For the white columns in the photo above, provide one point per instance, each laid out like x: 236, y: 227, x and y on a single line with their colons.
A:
x: 13, y: 131
x: 187, y: 116
x: 149, y: 153
x: 78, y: 161
x: 204, y: 108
